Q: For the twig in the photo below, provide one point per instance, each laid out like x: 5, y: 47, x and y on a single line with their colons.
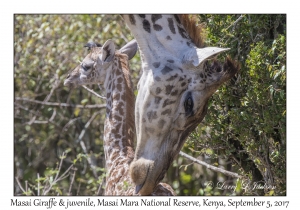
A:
x: 54, y: 181
x: 235, y: 22
x: 251, y: 34
x: 19, y: 184
x: 237, y: 162
x: 100, y: 88
x: 93, y: 92
x: 26, y: 186
x: 53, y: 115
x: 213, y: 168
x: 57, y: 179
x: 78, y: 189
x: 38, y: 114
x: 54, y: 86
x: 65, y: 128
x: 100, y: 186
x: 38, y: 188
x: 60, y: 164
x: 39, y: 122
x: 72, y: 181
x: 86, y: 126
x: 89, y: 159
x: 93, y: 167
x: 25, y: 108
x: 64, y: 174
x: 100, y: 106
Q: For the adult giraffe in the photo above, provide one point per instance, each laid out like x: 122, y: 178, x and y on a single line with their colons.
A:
x: 107, y: 66
x: 173, y: 92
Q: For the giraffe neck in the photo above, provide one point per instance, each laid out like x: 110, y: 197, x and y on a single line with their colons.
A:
x: 160, y: 38
x: 119, y: 123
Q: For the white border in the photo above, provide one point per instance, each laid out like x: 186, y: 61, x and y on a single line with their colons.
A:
x: 148, y: 6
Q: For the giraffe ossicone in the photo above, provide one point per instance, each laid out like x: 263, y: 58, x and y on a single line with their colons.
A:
x: 179, y: 76
x: 108, y: 66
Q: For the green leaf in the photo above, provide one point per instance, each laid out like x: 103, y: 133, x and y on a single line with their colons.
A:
x: 58, y: 190
x: 76, y: 111
x: 238, y: 186
x: 84, y: 101
x: 209, y: 151
x: 50, y: 179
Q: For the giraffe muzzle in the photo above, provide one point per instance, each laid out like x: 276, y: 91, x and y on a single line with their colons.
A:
x: 141, y: 172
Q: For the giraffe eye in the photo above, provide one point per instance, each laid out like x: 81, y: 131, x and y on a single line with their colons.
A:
x: 188, y: 105
x: 86, y: 67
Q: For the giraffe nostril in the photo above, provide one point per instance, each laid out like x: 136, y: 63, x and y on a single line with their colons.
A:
x: 188, y: 105
x: 68, y: 76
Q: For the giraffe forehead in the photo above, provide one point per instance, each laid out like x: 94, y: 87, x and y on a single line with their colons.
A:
x: 169, y: 75
x: 91, y: 57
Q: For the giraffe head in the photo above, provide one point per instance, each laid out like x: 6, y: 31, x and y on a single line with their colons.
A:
x: 177, y: 81
x: 94, y: 67
x: 169, y: 105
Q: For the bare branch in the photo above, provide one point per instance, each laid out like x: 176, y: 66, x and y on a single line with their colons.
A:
x: 38, y: 114
x: 235, y: 22
x: 93, y: 92
x: 86, y: 126
x: 57, y: 179
x: 53, y: 115
x: 100, y: 187
x: 93, y: 167
x: 40, y: 122
x: 60, y: 164
x: 26, y: 186
x: 78, y: 189
x: 38, y: 188
x: 213, y: 168
x: 99, y: 106
x: 66, y: 127
x: 25, y: 108
x: 89, y: 159
x: 55, y: 84
x: 251, y: 33
x: 19, y: 184
x: 72, y: 181
x: 64, y: 174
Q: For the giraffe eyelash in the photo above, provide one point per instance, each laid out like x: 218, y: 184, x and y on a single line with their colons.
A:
x: 81, y: 64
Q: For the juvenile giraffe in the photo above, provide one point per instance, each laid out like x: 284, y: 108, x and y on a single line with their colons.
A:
x: 107, y: 66
x: 173, y: 92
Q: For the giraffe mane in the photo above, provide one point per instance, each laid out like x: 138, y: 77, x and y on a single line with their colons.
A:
x: 193, y: 28
x: 129, y: 96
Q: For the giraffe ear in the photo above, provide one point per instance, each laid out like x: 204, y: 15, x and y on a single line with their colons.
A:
x: 197, y: 56
x: 130, y: 49
x: 108, y: 51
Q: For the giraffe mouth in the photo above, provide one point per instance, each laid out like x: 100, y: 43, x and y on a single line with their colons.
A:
x: 140, y: 186
x: 141, y: 172
x: 69, y: 84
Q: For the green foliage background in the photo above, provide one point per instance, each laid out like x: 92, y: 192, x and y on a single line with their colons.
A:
x: 243, y: 132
